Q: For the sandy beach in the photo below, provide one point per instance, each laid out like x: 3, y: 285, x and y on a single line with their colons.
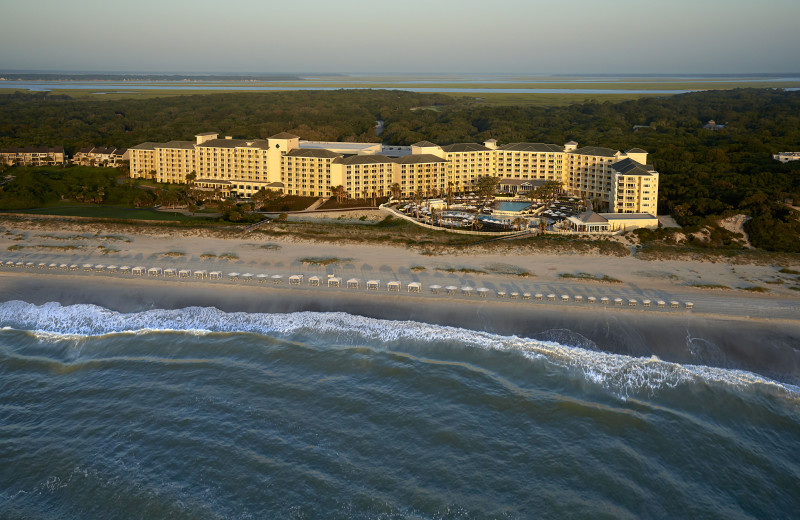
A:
x: 732, y: 328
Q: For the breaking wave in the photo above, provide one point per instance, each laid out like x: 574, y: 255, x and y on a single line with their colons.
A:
x: 617, y: 372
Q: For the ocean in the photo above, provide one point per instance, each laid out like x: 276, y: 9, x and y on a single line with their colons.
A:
x: 200, y: 413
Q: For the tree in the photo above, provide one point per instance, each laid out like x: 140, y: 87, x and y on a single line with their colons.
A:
x: 449, y: 193
x: 486, y: 186
x: 190, y: 177
x: 339, y: 192
x: 261, y: 197
x: 547, y: 192
x: 395, y: 188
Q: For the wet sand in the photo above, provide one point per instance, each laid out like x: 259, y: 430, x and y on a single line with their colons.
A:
x: 768, y: 346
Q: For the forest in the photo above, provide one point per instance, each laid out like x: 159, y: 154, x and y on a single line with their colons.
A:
x: 705, y: 174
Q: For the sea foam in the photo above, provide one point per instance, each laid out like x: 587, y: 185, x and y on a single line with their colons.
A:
x: 620, y: 373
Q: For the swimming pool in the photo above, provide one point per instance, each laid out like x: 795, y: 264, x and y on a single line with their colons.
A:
x: 513, y: 206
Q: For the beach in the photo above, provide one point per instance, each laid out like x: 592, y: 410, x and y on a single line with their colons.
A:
x: 725, y: 328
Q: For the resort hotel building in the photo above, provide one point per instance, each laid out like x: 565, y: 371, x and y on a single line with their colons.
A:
x: 615, y: 181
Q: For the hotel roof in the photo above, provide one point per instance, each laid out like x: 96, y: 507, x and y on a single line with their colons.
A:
x: 312, y: 152
x: 364, y: 159
x: 145, y: 146
x: 595, y: 151
x: 530, y: 147
x: 339, y: 146
x: 424, y: 144
x: 284, y: 135
x: 420, y: 158
x: 465, y: 147
x: 183, y: 145
x: 631, y: 167
x: 635, y: 150
x: 235, y: 143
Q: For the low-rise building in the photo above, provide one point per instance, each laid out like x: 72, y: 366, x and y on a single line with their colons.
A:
x: 32, y: 155
x: 785, y: 157
x: 100, y: 156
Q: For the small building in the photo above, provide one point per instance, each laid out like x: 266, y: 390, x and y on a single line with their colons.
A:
x: 518, y: 185
x: 785, y: 157
x: 591, y: 222
x: 101, y: 156
x: 712, y: 125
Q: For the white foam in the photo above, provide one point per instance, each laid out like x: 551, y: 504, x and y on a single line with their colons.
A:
x: 618, y: 372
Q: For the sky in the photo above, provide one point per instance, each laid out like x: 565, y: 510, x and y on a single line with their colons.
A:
x: 407, y: 36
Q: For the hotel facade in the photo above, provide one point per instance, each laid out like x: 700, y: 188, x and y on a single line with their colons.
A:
x: 618, y: 182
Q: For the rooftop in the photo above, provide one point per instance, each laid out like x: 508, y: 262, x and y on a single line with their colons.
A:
x: 364, y: 159
x: 183, y: 145
x: 311, y: 152
x: 631, y: 167
x: 284, y: 135
x: 465, y: 147
x: 531, y: 147
x: 419, y: 159
x: 595, y: 151
x: 235, y: 143
x: 628, y: 216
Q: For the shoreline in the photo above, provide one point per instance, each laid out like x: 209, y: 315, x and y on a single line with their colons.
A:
x: 767, y: 346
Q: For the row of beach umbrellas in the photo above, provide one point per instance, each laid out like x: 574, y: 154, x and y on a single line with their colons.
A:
x: 352, y: 283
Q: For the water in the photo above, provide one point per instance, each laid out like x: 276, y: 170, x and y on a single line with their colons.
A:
x: 513, y: 206
x: 197, y: 413
x: 129, y: 86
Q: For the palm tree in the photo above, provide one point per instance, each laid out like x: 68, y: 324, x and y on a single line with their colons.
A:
x: 395, y: 190
x: 338, y: 191
x: 449, y: 193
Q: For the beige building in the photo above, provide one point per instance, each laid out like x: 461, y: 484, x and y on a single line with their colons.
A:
x: 614, y: 181
x: 33, y: 155
x: 785, y: 157
x: 101, y: 156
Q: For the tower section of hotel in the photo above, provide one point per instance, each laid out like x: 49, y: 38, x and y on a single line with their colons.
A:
x: 231, y: 165
x: 612, y: 180
x: 531, y: 161
x: 364, y: 175
x: 467, y: 162
x: 424, y: 171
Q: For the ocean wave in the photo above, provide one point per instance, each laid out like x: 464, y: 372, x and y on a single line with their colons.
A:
x: 618, y: 372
